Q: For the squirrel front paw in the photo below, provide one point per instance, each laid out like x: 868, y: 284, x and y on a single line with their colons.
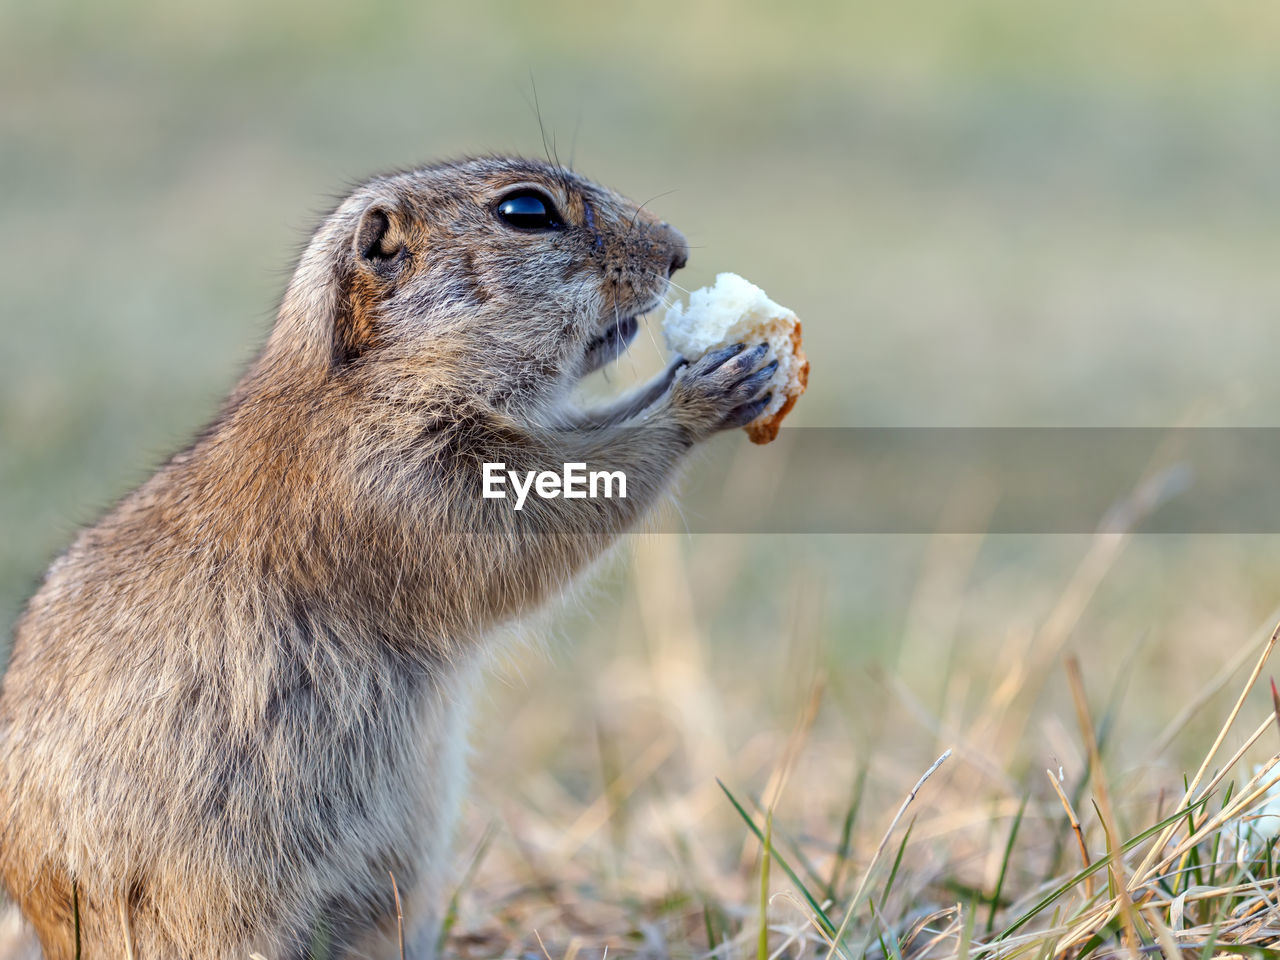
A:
x: 722, y: 390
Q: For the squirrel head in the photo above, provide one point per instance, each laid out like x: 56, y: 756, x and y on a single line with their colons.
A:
x: 512, y: 276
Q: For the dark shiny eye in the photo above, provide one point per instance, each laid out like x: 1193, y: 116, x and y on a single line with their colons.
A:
x: 528, y: 210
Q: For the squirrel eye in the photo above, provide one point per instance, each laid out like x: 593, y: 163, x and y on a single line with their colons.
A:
x: 528, y: 210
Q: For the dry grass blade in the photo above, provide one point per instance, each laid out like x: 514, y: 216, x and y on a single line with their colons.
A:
x: 75, y: 916
x: 1211, y: 689
x: 795, y: 743
x: 1123, y: 903
x: 1275, y: 702
x: 884, y: 842
x: 1075, y: 828
x: 1143, y: 872
x: 1253, y: 792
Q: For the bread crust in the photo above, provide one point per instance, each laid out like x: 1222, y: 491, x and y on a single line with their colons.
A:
x: 765, y: 429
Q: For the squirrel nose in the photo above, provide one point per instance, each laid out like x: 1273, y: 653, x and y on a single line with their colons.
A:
x: 678, y: 260
x: 679, y: 249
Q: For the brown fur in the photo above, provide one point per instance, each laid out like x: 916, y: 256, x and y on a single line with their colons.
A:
x: 238, y: 702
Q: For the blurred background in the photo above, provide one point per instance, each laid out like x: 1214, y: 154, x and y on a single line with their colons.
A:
x: 987, y: 213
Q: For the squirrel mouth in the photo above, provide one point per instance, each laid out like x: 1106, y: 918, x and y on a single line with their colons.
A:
x: 617, y: 335
x: 612, y: 343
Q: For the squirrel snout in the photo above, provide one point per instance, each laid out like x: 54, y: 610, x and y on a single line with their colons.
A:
x: 678, y: 246
x: 678, y: 260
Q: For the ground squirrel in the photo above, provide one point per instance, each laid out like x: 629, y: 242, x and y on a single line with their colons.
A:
x: 236, y: 705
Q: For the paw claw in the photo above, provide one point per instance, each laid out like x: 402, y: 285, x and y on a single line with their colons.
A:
x: 718, y: 391
x: 753, y: 383
x: 716, y: 358
x: 741, y: 416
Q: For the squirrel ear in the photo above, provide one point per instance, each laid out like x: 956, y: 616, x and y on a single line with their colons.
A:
x: 379, y: 247
x: 378, y: 236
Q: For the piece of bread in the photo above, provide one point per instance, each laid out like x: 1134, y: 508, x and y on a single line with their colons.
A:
x: 735, y: 310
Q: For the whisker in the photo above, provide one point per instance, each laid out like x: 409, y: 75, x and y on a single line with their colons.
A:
x: 573, y: 143
x: 658, y: 276
x: 617, y: 340
x: 656, y: 348
x: 658, y: 196
x: 631, y: 358
x: 537, y: 108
